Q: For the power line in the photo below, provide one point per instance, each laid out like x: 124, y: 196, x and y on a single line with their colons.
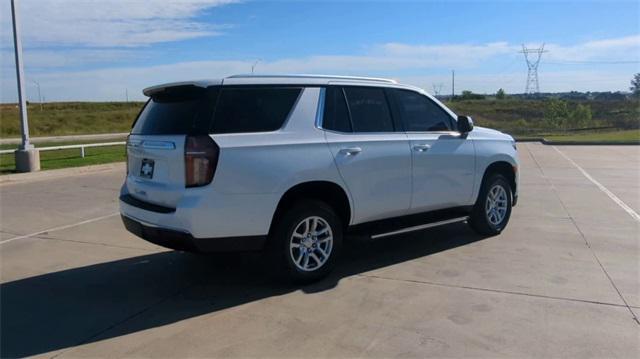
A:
x: 621, y: 62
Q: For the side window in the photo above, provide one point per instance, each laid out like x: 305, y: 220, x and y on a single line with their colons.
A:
x: 246, y: 109
x: 336, y: 114
x: 420, y: 114
x: 369, y: 109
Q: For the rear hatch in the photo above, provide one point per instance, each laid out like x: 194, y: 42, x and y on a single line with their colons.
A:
x: 156, y: 146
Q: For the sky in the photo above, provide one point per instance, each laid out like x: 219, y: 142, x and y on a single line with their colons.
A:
x: 109, y: 50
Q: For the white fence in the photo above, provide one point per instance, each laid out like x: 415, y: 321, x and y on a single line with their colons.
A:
x: 81, y: 147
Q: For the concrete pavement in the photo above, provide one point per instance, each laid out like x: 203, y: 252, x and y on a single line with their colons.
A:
x: 563, y: 280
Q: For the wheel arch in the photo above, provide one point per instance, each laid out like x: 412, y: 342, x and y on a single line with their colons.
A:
x: 504, y: 168
x: 328, y: 192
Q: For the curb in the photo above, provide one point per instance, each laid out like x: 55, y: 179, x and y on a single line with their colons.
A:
x: 59, y: 173
x: 544, y: 141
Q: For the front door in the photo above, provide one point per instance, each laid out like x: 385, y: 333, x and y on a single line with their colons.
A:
x: 443, y: 159
x: 443, y: 170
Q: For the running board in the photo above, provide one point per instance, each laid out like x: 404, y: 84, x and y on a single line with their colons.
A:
x: 420, y: 227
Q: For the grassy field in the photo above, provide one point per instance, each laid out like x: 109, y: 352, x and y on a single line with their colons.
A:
x: 66, y: 158
x: 527, y: 117
x: 70, y: 118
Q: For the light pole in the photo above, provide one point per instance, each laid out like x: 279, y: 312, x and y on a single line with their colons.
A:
x: 39, y: 93
x: 27, y: 157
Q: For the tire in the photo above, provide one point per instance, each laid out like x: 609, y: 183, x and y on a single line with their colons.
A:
x: 490, y: 217
x: 303, y: 256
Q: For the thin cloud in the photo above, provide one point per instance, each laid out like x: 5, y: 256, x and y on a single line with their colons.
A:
x: 617, y: 49
x: 110, y: 23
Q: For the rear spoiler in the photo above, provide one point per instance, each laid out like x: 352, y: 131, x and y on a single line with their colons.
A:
x: 150, y: 91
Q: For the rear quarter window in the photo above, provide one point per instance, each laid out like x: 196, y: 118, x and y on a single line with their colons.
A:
x: 177, y: 110
x: 246, y: 109
x: 336, y: 113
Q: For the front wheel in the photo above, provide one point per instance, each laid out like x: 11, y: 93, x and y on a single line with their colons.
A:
x: 492, y: 210
x: 308, y: 239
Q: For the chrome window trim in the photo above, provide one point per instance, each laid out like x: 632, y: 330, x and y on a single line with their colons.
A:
x: 151, y: 144
x: 435, y: 132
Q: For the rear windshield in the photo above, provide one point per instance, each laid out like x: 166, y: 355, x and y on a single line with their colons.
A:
x: 259, y: 109
x: 177, y: 110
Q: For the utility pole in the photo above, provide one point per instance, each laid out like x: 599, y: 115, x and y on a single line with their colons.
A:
x: 126, y: 95
x: 453, y: 84
x: 27, y: 157
x: 532, y: 57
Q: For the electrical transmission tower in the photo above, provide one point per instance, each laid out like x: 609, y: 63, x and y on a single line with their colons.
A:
x: 437, y: 89
x: 532, y: 56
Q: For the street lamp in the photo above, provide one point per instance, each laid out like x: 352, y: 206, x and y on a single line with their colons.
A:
x: 27, y: 157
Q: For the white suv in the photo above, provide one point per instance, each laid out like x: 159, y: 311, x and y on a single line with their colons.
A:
x: 293, y: 163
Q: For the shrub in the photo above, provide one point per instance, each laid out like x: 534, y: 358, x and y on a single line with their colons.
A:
x: 468, y: 95
x: 556, y: 113
x: 580, y: 117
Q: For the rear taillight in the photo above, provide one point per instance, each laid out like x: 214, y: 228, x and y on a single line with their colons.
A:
x: 200, y: 160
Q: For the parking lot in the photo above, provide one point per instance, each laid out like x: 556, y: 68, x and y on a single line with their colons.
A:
x: 563, y: 280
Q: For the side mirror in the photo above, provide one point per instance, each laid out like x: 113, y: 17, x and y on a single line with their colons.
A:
x: 465, y: 124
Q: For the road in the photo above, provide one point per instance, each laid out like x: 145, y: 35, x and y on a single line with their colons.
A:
x: 561, y: 281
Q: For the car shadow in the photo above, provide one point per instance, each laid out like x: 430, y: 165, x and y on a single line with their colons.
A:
x: 59, y: 310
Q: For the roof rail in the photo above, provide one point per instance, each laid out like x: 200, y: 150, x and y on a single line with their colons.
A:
x: 328, y: 77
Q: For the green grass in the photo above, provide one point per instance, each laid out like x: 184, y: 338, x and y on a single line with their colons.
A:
x: 525, y: 117
x: 67, y: 158
x: 610, y: 136
x: 70, y: 118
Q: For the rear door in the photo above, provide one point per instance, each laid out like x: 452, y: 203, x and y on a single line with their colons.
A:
x: 371, y: 154
x: 155, y: 148
x: 443, y: 159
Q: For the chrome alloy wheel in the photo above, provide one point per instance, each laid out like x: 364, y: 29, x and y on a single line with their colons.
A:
x: 496, y: 205
x: 311, y: 243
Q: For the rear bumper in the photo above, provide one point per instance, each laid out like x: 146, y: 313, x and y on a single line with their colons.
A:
x: 183, y: 241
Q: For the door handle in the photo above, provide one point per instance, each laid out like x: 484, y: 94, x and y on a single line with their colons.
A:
x: 351, y: 151
x: 422, y: 147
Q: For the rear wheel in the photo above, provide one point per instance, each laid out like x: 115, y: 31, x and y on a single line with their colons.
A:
x: 492, y: 210
x: 308, y: 239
